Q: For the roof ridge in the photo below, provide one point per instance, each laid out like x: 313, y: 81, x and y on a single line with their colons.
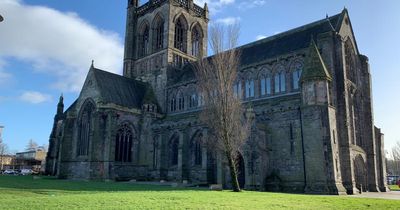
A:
x: 291, y: 31
x: 120, y: 76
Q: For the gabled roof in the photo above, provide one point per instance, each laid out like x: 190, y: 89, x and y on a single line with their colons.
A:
x: 120, y: 90
x: 287, y: 42
x: 271, y: 47
x: 314, y: 67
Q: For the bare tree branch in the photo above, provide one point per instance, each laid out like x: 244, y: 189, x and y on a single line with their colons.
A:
x: 223, y: 112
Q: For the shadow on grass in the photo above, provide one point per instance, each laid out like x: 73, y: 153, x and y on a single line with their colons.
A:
x: 51, y: 183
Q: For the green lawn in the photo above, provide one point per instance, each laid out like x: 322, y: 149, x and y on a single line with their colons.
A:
x: 48, y: 193
x: 394, y: 187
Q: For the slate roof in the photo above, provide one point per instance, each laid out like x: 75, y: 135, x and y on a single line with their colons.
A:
x: 283, y: 43
x: 314, y: 68
x: 120, y: 90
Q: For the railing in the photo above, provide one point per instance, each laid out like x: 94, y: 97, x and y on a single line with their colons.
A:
x: 155, y: 3
x: 144, y: 8
x: 198, y: 10
x: 183, y: 3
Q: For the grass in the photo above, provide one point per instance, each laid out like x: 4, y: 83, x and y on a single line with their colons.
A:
x: 49, y: 193
x: 394, y: 187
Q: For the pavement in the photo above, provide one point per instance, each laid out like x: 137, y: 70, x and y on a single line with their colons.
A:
x: 393, y: 195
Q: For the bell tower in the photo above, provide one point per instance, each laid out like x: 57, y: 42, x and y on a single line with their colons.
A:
x: 161, y: 34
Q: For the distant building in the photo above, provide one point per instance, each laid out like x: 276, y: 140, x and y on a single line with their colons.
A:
x: 6, y: 161
x: 33, y: 159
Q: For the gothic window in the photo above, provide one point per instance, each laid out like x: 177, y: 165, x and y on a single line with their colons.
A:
x: 180, y: 34
x: 196, y: 149
x: 143, y: 41
x: 181, y: 102
x: 174, y: 150
x: 85, y: 126
x: 196, y: 42
x: 249, y: 88
x: 158, y: 34
x: 173, y: 104
x: 265, y: 86
x: 237, y: 89
x: 280, y: 82
x: 193, y: 100
x: 350, y: 60
x: 123, y: 144
x: 296, y: 76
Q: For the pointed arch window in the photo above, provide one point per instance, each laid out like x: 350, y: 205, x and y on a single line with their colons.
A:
x: 181, y: 102
x: 296, y: 74
x: 350, y: 60
x: 265, y: 85
x: 280, y: 82
x: 144, y: 41
x: 193, y: 100
x: 123, y: 144
x: 237, y: 89
x: 196, y: 148
x: 180, y: 35
x: 196, y: 42
x: 250, y: 88
x: 173, y: 104
x: 85, y: 127
x: 158, y: 33
x: 174, y: 150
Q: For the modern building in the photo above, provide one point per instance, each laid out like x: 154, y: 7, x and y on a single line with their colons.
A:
x: 33, y: 159
x: 309, y: 88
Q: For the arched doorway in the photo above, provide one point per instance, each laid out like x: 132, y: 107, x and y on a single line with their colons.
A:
x: 241, y: 170
x: 360, y: 174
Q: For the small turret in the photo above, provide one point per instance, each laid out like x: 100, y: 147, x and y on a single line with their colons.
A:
x: 315, y: 78
x: 206, y: 10
x: 191, y: 4
x: 60, y: 106
x: 133, y: 3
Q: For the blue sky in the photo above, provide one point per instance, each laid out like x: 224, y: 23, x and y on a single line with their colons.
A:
x: 46, y: 47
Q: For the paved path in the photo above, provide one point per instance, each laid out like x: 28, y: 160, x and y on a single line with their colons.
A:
x: 395, y: 195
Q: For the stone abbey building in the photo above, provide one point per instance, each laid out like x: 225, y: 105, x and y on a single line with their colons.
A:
x: 309, y: 88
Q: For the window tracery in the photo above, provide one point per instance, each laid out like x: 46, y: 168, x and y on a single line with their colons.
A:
x: 123, y: 144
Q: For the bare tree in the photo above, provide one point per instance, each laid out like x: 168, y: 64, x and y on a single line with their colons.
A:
x: 396, y: 158
x: 223, y: 112
x: 32, y: 145
x: 44, y: 147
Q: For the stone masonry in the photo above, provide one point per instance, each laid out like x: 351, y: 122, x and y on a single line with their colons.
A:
x: 309, y: 88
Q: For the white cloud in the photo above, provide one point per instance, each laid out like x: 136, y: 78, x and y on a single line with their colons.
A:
x: 228, y: 20
x: 214, y: 6
x: 57, y: 43
x: 251, y: 4
x: 35, y: 97
x: 258, y: 37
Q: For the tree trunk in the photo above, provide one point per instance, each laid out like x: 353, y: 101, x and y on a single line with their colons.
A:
x: 234, y: 177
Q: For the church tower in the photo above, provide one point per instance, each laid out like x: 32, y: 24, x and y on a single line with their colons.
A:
x: 161, y: 34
